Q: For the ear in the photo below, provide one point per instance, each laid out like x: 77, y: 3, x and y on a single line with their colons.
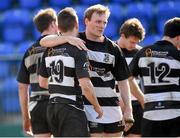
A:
x: 76, y: 25
x: 53, y: 24
x: 86, y: 21
x: 123, y: 36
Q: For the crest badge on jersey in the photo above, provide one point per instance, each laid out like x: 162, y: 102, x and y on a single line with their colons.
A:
x: 148, y: 52
x: 31, y: 50
x: 106, y: 58
x: 51, y: 52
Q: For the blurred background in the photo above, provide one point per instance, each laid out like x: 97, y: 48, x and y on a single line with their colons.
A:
x: 18, y: 32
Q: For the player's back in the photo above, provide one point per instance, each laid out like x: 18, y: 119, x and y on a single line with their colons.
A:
x: 28, y: 72
x: 64, y: 66
x: 159, y: 66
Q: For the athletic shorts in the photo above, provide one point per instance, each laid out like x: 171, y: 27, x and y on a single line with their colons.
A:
x: 167, y: 128
x: 38, y: 118
x: 106, y: 128
x: 67, y: 121
x: 137, y: 114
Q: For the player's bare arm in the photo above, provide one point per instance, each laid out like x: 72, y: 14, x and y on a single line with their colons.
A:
x: 125, y: 93
x: 23, y: 98
x: 88, y: 91
x: 136, y: 91
x: 53, y: 40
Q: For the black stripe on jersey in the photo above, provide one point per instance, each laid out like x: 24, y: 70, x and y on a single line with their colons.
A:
x: 66, y: 90
x: 172, y: 73
x: 162, y: 105
x: 68, y: 72
x: 105, y: 101
x: 36, y: 87
x: 101, y: 65
x: 98, y: 82
x: 33, y: 68
x: 161, y: 88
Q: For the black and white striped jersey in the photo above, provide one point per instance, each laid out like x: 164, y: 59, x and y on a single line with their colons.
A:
x: 159, y: 67
x: 63, y: 65
x: 107, y: 64
x: 129, y: 56
x: 28, y: 72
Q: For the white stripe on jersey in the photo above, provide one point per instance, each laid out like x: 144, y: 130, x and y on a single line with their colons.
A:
x: 164, y: 114
x: 31, y: 105
x: 105, y: 92
x: 111, y: 114
x: 34, y: 78
x: 147, y: 81
x: 128, y: 60
x: 35, y: 93
x: 72, y: 97
x: 67, y: 81
x: 67, y: 61
x: 101, y: 57
x: 144, y: 61
x: 33, y: 59
x: 166, y: 96
x: 104, y: 78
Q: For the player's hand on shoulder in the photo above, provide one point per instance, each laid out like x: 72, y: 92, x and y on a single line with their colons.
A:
x: 79, y: 43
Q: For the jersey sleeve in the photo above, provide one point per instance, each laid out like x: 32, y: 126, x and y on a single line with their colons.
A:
x: 121, y: 70
x: 81, y: 64
x: 134, y: 68
x: 43, y: 70
x: 23, y: 73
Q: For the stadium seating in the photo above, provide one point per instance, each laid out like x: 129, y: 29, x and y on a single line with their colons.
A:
x: 4, y: 70
x: 36, y: 33
x: 13, y: 33
x: 90, y: 2
x: 10, y: 93
x: 16, y: 17
x: 22, y: 47
x: 111, y: 29
x: 150, y: 39
x: 6, y: 48
x: 117, y: 13
x: 121, y: 1
x: 60, y: 3
x: 166, y: 10
x: 30, y: 4
x: 5, y: 4
x: 139, y: 10
x: 80, y: 11
x: 11, y: 104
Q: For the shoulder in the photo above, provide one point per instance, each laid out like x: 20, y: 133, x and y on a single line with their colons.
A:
x: 112, y: 44
x: 146, y: 51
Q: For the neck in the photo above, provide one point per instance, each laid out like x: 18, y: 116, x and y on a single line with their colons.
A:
x: 69, y: 33
x: 120, y: 43
x: 94, y: 38
x: 47, y: 32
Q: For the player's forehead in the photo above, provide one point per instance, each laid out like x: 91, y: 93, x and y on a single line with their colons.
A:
x: 99, y: 16
x: 134, y: 39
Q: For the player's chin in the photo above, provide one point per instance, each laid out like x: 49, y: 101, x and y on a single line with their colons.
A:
x: 100, y: 33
